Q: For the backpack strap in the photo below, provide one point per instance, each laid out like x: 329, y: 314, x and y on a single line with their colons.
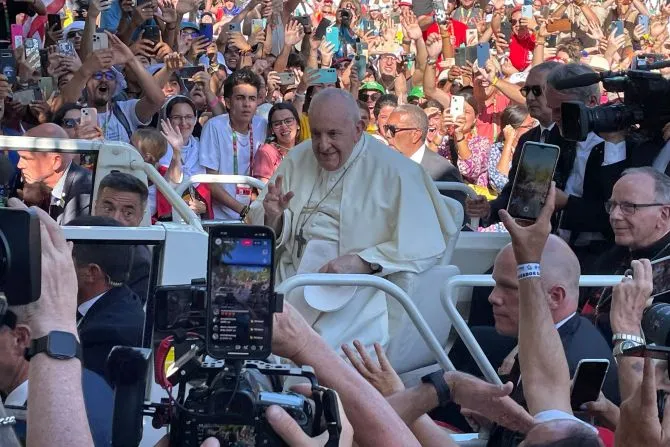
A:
x: 118, y: 113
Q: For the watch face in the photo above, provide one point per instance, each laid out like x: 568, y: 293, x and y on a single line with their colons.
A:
x: 62, y: 345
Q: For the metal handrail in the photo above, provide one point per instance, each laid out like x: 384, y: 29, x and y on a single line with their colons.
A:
x: 392, y: 290
x: 449, y: 299
x: 215, y: 178
x: 461, y: 187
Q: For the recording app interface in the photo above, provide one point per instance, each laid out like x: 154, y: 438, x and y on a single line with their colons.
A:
x: 533, y: 180
x: 241, y: 285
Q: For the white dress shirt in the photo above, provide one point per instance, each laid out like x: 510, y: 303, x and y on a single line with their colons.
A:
x: 542, y: 129
x: 86, y: 306
x: 19, y: 396
x: 57, y: 194
x: 418, y: 155
x: 663, y: 158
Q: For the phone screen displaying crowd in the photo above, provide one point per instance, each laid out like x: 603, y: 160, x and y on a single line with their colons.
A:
x: 240, y: 286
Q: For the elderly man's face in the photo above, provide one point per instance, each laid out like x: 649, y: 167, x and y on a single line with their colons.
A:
x: 537, y: 105
x: 125, y: 207
x: 39, y: 167
x: 13, y: 343
x: 647, y: 224
x: 505, y: 295
x: 334, y: 133
x: 407, y: 135
x: 388, y: 65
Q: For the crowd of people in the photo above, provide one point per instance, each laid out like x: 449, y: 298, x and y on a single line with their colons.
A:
x: 348, y: 113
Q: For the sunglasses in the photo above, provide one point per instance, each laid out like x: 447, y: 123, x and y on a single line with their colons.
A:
x: 513, y: 22
x: 365, y: 96
x: 71, y: 123
x: 73, y: 34
x: 536, y: 89
x: 392, y: 130
x: 108, y: 75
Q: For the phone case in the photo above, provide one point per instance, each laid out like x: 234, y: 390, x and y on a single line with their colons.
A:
x: 327, y: 76
x: 100, y: 41
x: 320, y: 31
x: 457, y: 106
x: 333, y: 36
x: 8, y: 65
x: 286, y: 78
x: 66, y: 48
x: 257, y: 25
x: 527, y: 11
x: 361, y: 66
x: 46, y: 85
x: 483, y: 54
x: 89, y: 115
x: 24, y: 97
x: 17, y: 36
x: 471, y: 37
x: 617, y: 27
x: 234, y: 28
x: 459, y: 57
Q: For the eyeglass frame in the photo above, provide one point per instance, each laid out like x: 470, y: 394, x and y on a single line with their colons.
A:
x: 611, y: 205
x: 182, y: 119
x: 392, y: 130
x: 286, y: 122
x: 108, y: 75
x: 76, y: 121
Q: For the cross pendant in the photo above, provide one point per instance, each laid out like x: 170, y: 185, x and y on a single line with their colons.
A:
x: 301, y: 243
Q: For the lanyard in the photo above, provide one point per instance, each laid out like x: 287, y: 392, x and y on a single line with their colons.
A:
x: 251, y: 150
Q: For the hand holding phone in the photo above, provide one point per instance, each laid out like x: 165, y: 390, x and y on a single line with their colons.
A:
x: 457, y: 106
x: 588, y: 381
x: 100, y: 41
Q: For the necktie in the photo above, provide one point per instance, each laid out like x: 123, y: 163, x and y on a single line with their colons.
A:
x: 544, y: 136
x: 79, y: 316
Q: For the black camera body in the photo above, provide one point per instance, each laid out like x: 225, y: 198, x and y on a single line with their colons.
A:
x: 20, y: 256
x: 644, y: 103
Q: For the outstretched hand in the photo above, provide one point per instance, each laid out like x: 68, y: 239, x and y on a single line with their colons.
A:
x: 379, y: 373
x: 276, y: 201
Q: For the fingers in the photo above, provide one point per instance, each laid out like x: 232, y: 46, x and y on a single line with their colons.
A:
x: 354, y: 359
x: 648, y: 386
x: 211, y: 442
x: 367, y: 360
x: 286, y: 427
x: 548, y: 208
x: 381, y: 356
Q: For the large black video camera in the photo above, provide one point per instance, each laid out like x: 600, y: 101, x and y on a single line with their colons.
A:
x: 218, y: 331
x: 644, y: 103
x: 20, y: 256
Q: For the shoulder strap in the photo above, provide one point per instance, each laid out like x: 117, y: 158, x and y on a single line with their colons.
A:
x: 118, y: 113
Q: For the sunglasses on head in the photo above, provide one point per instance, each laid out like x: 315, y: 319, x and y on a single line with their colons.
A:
x: 71, y: 123
x: 536, y: 89
x: 108, y: 75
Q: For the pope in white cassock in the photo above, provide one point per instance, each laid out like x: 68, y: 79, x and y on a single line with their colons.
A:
x: 346, y: 203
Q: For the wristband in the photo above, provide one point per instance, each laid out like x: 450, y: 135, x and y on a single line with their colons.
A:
x: 495, y: 81
x: 436, y: 379
x: 524, y: 271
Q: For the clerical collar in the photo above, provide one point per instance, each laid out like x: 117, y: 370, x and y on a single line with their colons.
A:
x: 653, y: 250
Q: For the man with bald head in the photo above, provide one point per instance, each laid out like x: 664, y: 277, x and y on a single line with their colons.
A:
x: 580, y: 338
x: 343, y: 202
x: 52, y: 181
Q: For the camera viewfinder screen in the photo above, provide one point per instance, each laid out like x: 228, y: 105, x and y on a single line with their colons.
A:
x: 240, y: 291
x: 533, y: 180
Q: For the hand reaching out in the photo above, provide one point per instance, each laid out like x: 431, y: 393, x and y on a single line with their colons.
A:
x: 275, y: 201
x: 379, y: 373
x: 293, y: 33
x: 173, y: 135
x: 631, y: 297
x: 411, y: 26
x: 434, y: 46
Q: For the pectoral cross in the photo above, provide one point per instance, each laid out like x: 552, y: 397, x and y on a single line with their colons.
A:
x: 300, y: 239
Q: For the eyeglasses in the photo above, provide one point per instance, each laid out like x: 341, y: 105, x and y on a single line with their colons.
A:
x: 392, y: 130
x: 513, y: 22
x: 627, y: 208
x: 184, y: 119
x: 286, y: 122
x: 73, y: 34
x: 536, y: 89
x: 108, y: 75
x: 369, y: 96
x: 71, y: 123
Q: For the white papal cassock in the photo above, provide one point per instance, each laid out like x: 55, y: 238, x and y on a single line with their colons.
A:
x: 379, y: 205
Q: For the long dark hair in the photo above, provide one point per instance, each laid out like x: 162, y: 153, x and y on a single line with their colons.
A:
x: 283, y: 106
x: 513, y: 115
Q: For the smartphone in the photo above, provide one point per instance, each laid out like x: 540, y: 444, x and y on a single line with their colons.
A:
x: 471, y: 36
x: 617, y: 27
x: 644, y: 22
x: 326, y: 76
x: 654, y: 352
x: 660, y: 270
x: 457, y: 106
x: 66, y: 48
x: 471, y: 53
x: 44, y: 61
x: 361, y: 66
x: 100, y: 41
x: 17, y: 36
x: 320, y: 31
x: 440, y: 13
x: 459, y: 57
x: 24, y: 97
x: 552, y: 39
x: 559, y: 26
x: 153, y: 33
x: 55, y: 22
x: 333, y: 36
x: 533, y: 180
x: 89, y: 115
x: 527, y: 11
x: 104, y: 5
x: 588, y: 381
x: 305, y: 21
x: 257, y: 25
x: 46, y: 85
x: 234, y: 28
x: 483, y: 54
x: 8, y: 65
x: 32, y: 51
x: 240, y: 292
x: 287, y: 78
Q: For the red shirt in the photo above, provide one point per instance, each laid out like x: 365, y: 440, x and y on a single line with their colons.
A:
x: 520, y: 50
x: 457, y: 29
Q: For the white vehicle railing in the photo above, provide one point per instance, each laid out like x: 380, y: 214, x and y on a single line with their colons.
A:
x: 461, y: 187
x: 111, y: 155
x: 392, y: 290
x: 449, y: 297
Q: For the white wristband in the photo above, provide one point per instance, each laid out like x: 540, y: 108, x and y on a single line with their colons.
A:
x: 527, y: 271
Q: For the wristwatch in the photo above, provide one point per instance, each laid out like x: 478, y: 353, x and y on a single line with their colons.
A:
x: 623, y: 345
x: 57, y: 345
x: 437, y: 380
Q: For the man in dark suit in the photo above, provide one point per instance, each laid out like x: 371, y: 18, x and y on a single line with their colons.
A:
x: 53, y: 181
x: 406, y: 130
x: 580, y: 338
x: 109, y: 312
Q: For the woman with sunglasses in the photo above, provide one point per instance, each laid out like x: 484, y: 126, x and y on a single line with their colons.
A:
x: 68, y: 116
x: 515, y: 121
x: 284, y: 131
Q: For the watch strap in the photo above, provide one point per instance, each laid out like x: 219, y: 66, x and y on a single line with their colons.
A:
x: 41, y: 344
x: 436, y: 379
x: 624, y: 344
x: 621, y: 337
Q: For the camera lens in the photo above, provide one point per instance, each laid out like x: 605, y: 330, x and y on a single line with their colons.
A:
x: 656, y: 324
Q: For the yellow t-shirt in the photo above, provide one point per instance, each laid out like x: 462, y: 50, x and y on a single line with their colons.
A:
x: 305, y: 134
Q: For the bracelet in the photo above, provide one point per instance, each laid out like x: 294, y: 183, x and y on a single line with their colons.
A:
x: 530, y: 270
x: 495, y: 81
x: 459, y: 140
x: 431, y: 61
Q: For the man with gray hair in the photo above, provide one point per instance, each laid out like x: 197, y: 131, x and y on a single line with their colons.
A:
x: 343, y: 202
x: 639, y: 213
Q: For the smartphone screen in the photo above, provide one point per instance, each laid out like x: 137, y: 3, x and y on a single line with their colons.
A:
x: 660, y: 270
x: 459, y: 57
x: 654, y: 352
x: 287, y: 78
x: 153, y: 33
x: 239, y: 288
x: 533, y: 180
x: 54, y: 21
x: 588, y: 381
x: 8, y: 65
